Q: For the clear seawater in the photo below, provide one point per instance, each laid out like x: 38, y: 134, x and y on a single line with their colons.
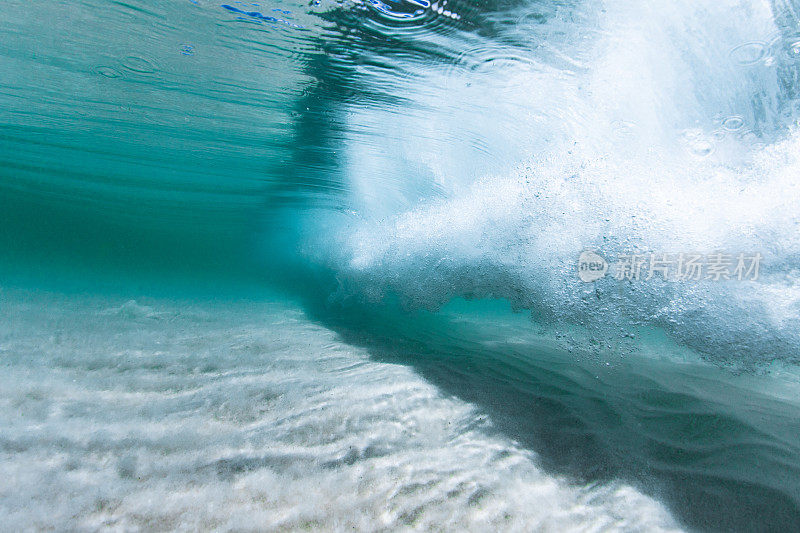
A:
x: 312, y: 265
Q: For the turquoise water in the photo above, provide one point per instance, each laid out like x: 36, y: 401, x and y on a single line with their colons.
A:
x: 254, y: 252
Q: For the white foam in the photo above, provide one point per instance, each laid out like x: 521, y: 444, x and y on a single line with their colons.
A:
x: 658, y: 141
x: 519, y: 237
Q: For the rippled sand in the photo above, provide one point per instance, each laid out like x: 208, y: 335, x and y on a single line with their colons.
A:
x: 247, y: 416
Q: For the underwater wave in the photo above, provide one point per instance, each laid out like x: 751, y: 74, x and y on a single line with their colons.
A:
x: 398, y: 168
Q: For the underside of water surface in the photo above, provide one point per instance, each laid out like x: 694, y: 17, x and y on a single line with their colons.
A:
x: 318, y: 265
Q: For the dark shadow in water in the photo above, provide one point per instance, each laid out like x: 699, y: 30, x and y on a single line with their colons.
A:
x: 716, y: 471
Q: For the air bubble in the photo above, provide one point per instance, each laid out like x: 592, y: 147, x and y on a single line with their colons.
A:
x: 749, y: 53
x: 108, y: 72
x: 733, y: 123
x: 786, y: 47
x: 702, y: 148
x: 138, y: 64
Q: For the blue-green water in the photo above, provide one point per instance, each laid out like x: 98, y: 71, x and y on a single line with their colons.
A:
x: 313, y: 265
